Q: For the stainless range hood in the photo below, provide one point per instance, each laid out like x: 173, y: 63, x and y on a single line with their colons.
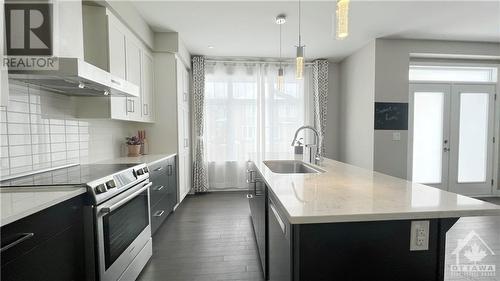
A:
x: 75, y: 77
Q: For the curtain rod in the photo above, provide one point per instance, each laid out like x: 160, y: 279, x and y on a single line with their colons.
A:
x: 253, y: 61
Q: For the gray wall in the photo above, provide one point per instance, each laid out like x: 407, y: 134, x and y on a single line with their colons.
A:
x: 391, y: 85
x: 357, y: 76
x: 332, y: 136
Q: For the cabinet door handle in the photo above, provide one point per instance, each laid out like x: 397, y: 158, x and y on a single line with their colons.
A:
x: 24, y: 237
x: 170, y: 170
x: 146, y: 109
x: 133, y: 105
x: 158, y: 213
x: 159, y: 187
x: 250, y: 176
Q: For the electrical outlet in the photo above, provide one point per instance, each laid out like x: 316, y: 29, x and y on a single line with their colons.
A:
x: 419, y: 236
x: 396, y: 136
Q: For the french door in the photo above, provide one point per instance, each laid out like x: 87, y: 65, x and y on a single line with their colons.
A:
x: 452, y: 145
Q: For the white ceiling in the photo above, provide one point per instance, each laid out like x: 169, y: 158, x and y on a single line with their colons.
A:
x: 247, y: 28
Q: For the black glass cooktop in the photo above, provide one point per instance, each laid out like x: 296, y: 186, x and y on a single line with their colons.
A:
x: 70, y: 176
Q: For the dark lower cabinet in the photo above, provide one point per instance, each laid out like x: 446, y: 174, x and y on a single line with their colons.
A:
x: 163, y: 192
x: 50, y: 245
x: 257, y: 199
x: 372, y: 250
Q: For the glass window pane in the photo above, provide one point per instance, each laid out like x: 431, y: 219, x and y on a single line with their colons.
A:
x: 458, y: 74
x: 473, y: 137
x: 428, y: 137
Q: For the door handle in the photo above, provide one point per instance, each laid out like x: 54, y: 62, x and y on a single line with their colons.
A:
x: 159, y: 187
x: 109, y: 209
x: 24, y: 237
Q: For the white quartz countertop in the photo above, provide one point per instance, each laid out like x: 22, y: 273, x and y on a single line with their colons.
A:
x: 345, y: 193
x: 147, y: 159
x: 18, y: 202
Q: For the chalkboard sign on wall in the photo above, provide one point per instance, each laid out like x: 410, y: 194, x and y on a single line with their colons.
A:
x: 391, y: 116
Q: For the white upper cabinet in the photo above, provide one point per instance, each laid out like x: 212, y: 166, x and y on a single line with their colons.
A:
x: 133, y: 66
x: 117, y: 65
x: 110, y: 45
x: 147, y: 86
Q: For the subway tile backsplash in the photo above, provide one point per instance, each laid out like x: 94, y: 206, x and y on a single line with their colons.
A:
x: 40, y: 129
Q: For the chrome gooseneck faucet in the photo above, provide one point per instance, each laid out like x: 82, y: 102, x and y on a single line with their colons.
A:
x: 315, y: 150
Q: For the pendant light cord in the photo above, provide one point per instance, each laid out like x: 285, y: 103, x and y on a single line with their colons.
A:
x: 299, y: 24
x: 280, y: 44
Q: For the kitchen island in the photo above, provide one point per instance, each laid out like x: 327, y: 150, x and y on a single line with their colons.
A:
x: 349, y: 223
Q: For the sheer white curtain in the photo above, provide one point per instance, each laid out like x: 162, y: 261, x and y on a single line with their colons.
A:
x: 247, y: 118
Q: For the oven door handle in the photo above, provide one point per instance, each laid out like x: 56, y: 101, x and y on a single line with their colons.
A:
x: 109, y: 209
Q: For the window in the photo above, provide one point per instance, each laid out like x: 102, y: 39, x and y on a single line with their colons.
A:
x: 453, y: 73
x: 246, y: 117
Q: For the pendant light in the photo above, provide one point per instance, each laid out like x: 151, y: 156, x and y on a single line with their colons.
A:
x: 299, y: 60
x: 280, y: 20
x: 342, y: 14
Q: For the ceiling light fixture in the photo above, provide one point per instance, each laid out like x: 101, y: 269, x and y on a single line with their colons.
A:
x: 299, y: 60
x: 342, y: 14
x: 280, y: 20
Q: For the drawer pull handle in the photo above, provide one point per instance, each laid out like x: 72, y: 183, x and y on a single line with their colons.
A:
x: 158, y: 188
x: 24, y: 237
x: 158, y: 213
x: 159, y: 169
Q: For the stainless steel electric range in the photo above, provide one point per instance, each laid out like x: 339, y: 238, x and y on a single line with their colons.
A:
x: 118, y: 213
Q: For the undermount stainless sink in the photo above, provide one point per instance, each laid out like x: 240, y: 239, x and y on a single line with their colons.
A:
x: 291, y: 167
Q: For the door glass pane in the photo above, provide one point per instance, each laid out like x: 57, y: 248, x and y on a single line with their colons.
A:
x: 428, y: 137
x: 473, y: 137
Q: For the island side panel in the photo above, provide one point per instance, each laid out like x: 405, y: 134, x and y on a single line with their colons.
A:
x: 444, y: 225
x: 372, y: 251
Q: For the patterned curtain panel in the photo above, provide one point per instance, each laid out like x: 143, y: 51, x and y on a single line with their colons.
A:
x: 320, y: 97
x: 200, y: 165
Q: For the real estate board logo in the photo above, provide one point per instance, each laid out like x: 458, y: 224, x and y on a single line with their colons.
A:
x: 471, y: 257
x: 29, y: 35
x: 28, y: 29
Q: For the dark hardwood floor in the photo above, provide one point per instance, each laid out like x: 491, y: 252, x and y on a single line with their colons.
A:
x: 494, y: 200
x: 209, y: 237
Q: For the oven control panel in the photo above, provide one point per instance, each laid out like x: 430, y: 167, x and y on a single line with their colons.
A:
x: 109, y: 186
